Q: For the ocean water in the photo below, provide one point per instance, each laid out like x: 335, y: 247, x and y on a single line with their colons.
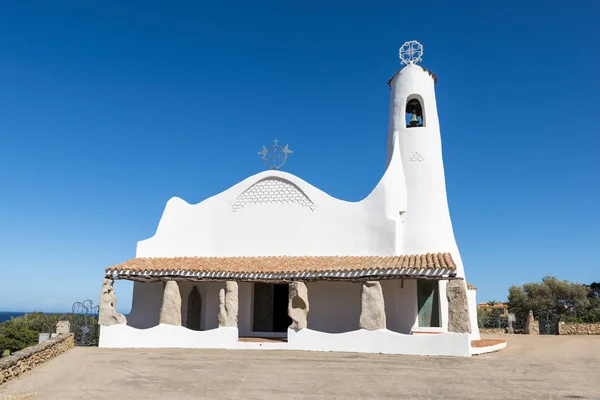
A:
x: 6, y: 315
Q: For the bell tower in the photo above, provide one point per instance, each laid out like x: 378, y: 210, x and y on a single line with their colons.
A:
x: 415, y: 128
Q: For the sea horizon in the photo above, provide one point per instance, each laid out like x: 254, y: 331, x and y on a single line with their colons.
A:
x: 7, y: 315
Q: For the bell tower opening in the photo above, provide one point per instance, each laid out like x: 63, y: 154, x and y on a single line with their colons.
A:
x: 414, y: 113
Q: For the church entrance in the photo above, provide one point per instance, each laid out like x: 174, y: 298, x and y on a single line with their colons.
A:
x: 270, y: 312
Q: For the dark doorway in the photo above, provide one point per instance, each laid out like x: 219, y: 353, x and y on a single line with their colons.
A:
x: 270, y: 307
x: 194, y: 310
x: 428, y: 303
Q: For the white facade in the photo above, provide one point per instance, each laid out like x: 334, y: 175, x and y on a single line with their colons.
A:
x: 472, y: 296
x: 406, y: 213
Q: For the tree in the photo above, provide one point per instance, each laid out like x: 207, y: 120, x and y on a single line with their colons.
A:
x: 592, y: 312
x: 17, y: 335
x: 563, y: 298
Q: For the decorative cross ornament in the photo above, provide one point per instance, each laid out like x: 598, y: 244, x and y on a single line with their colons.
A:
x: 411, y: 52
x: 275, y: 156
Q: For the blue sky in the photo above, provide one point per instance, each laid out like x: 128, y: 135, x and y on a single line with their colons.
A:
x: 108, y: 109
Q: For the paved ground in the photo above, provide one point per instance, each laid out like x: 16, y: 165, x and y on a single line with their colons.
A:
x: 532, y: 367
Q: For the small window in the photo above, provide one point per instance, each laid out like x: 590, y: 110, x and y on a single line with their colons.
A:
x: 414, y: 114
x: 428, y: 304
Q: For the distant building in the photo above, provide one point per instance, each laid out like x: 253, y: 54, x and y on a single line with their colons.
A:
x: 501, y: 307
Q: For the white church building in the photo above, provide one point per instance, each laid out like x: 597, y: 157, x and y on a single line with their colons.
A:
x: 382, y: 275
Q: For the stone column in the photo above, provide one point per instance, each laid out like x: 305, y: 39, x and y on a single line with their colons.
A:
x: 228, y: 305
x: 63, y: 327
x: 532, y: 327
x: 170, y: 311
x: 372, y: 307
x: 458, y: 307
x: 298, y: 305
x: 107, y: 313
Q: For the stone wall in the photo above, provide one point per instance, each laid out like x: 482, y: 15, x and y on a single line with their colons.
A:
x: 26, y: 359
x: 576, y: 328
x: 492, y: 330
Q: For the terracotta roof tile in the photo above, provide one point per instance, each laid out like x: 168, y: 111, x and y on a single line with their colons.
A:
x: 471, y: 287
x: 286, y: 264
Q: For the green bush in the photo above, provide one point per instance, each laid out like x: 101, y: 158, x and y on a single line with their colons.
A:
x: 18, y: 333
x: 572, y: 302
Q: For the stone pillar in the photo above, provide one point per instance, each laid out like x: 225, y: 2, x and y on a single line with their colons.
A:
x: 298, y: 305
x: 170, y: 311
x: 532, y: 327
x: 372, y: 307
x: 63, y: 327
x: 510, y: 330
x: 458, y: 307
x: 228, y: 305
x: 107, y: 314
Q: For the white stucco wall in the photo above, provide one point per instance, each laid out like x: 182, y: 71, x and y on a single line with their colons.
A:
x: 245, y: 305
x: 426, y: 224
x: 315, y: 223
x: 381, y: 341
x: 334, y: 306
x: 359, y: 341
x: 167, y: 336
x: 147, y: 301
x: 472, y: 296
x: 145, y: 304
x: 209, y: 293
x: 400, y: 304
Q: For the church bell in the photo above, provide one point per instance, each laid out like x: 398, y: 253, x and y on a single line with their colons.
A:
x: 414, y: 120
x: 413, y: 107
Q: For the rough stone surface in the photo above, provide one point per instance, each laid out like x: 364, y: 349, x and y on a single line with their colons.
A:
x: 532, y: 327
x: 576, y: 328
x: 107, y: 314
x: 458, y: 307
x: 170, y: 311
x: 372, y: 307
x: 495, y: 331
x: 535, y: 328
x: 529, y: 323
x: 228, y: 305
x: 510, y: 330
x: 63, y: 327
x: 26, y: 359
x: 298, y: 305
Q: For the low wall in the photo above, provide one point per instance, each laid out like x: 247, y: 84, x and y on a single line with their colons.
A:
x: 26, y: 359
x: 167, y: 336
x: 576, y: 328
x: 360, y: 341
x: 381, y: 341
x: 493, y: 331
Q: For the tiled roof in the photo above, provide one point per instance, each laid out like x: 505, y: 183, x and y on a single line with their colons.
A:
x: 471, y: 287
x: 440, y: 263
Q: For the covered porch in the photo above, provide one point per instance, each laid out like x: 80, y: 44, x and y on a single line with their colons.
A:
x: 364, y: 304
